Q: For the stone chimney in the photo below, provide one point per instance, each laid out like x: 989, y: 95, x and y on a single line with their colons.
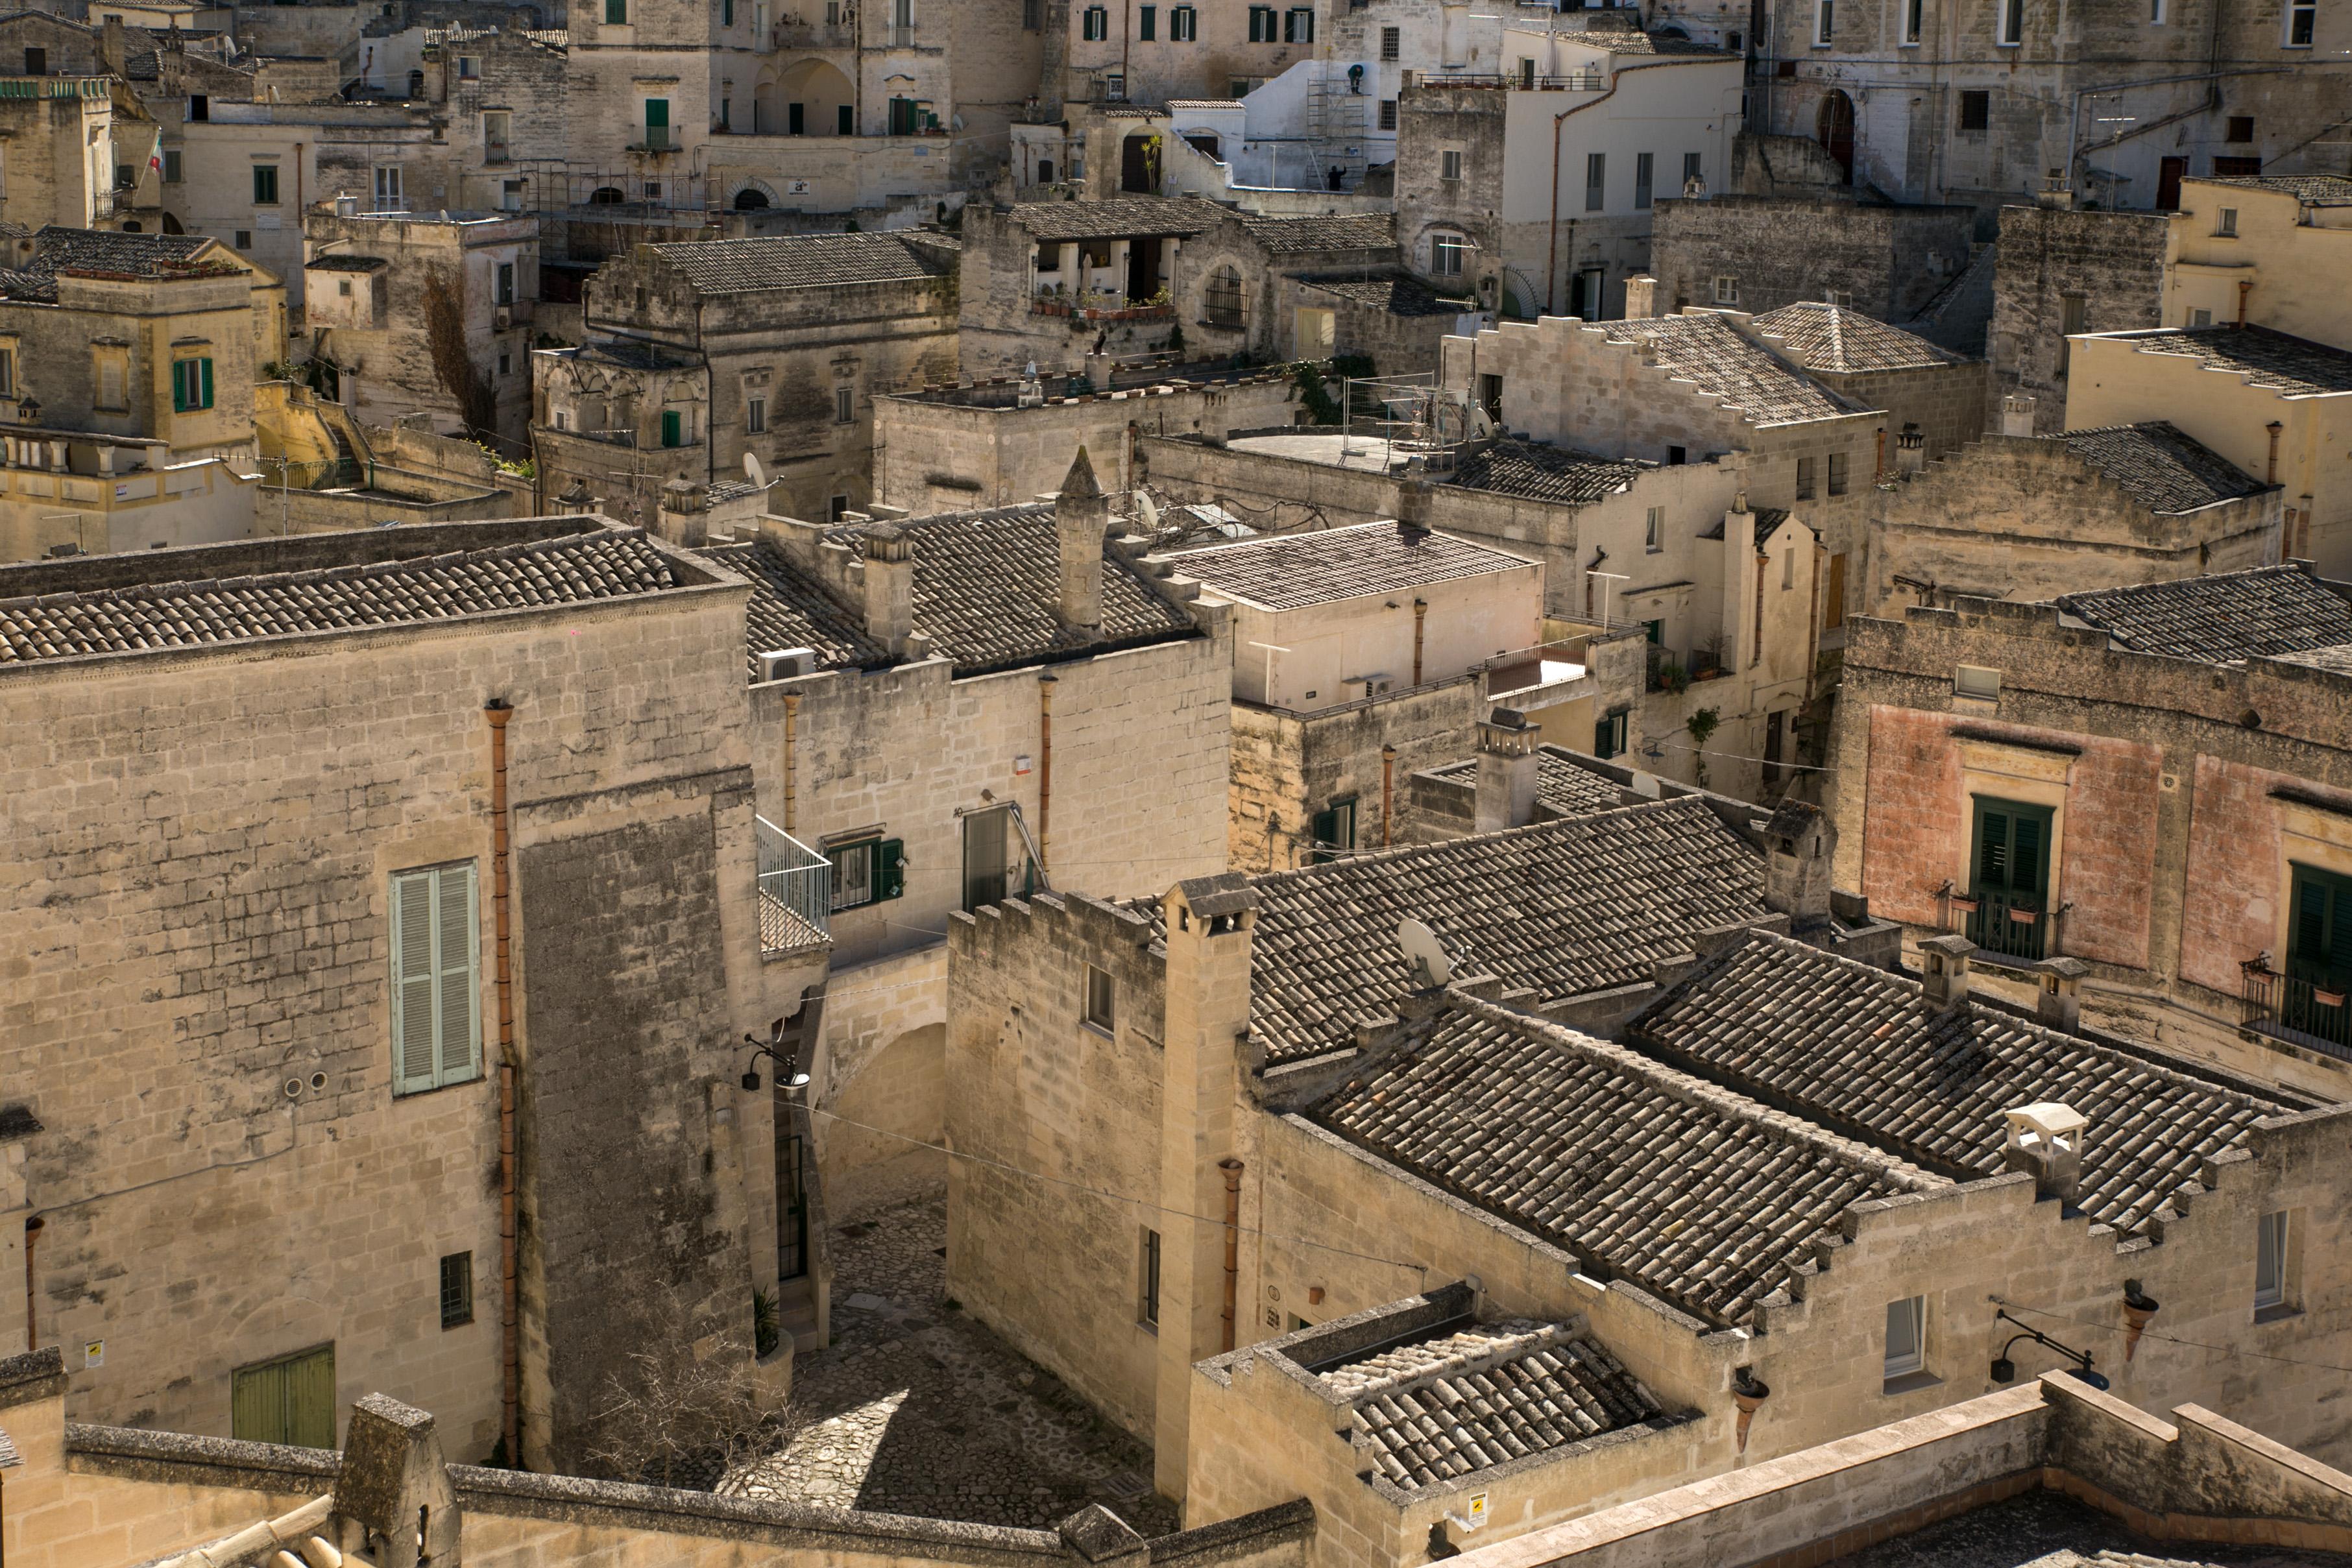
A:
x: 1506, y: 772
x: 1641, y: 298
x: 2059, y: 1002
x: 889, y: 586
x: 685, y: 513
x: 1945, y: 983
x: 1798, y: 847
x: 1910, y: 449
x: 109, y: 49
x: 1081, y: 517
x: 395, y: 1484
x: 2017, y: 414
x: 2045, y: 1140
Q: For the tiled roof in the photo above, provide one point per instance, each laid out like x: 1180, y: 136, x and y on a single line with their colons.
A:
x: 1721, y: 361
x: 1831, y: 337
x: 987, y: 583
x: 789, y: 610
x: 1292, y: 237
x: 2222, y: 618
x: 344, y: 261
x: 1116, y: 218
x: 1698, y: 1196
x: 1542, y: 473
x: 635, y: 354
x: 1560, y: 784
x: 2295, y: 366
x: 1397, y: 293
x: 2166, y: 470
x: 604, y: 563
x: 1470, y: 1397
x: 1627, y: 41
x: 1290, y: 570
x: 1859, y: 1050
x: 35, y: 285
x: 2317, y: 190
x: 56, y: 249
x: 808, y: 261
x: 1564, y: 908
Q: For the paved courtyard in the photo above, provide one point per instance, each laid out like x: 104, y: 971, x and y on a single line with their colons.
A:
x: 915, y: 1408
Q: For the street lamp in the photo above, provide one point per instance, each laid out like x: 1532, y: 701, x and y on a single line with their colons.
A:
x: 788, y: 1073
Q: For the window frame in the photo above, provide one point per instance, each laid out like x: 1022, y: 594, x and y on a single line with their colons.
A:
x: 265, y: 184
x: 1100, y: 1004
x: 432, y: 882
x: 2273, y: 1237
x: 755, y: 414
x: 2302, y: 18
x: 1447, y: 249
x: 1183, y: 24
x: 1596, y: 182
x: 1387, y: 114
x: 2225, y: 223
x: 1147, y: 1282
x: 1825, y: 22
x: 1914, y: 19
x: 1298, y: 25
x: 1450, y: 164
x: 1321, y: 848
x: 844, y: 405
x: 390, y: 187
x: 192, y: 384
x: 1147, y: 24
x: 1391, y: 43
x: 1653, y: 530
x: 1840, y: 465
x: 2008, y: 24
x: 1263, y: 29
x: 1094, y: 25
x: 882, y: 867
x: 1807, y: 477
x: 1726, y: 288
x: 456, y: 1290
x: 1609, y: 734
x: 1912, y: 1363
x: 1645, y: 170
x: 1975, y: 105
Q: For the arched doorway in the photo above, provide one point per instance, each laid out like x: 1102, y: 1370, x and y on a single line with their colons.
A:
x: 750, y: 199
x: 1833, y: 128
x: 816, y: 99
x: 171, y: 225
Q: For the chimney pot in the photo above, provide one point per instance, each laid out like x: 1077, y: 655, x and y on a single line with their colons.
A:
x: 1799, y: 847
x: 889, y: 582
x: 1506, y: 773
x: 1944, y: 985
x: 2017, y: 414
x: 2045, y: 1140
x: 2059, y: 1002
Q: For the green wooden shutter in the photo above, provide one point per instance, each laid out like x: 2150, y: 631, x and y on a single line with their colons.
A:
x: 256, y: 1403
x: 657, y: 113
x: 180, y: 387
x: 890, y: 869
x: 1992, y: 849
x: 458, y: 933
x: 411, y: 982
x: 310, y: 1399
x: 616, y: 13
x: 2026, y: 847
x: 673, y: 428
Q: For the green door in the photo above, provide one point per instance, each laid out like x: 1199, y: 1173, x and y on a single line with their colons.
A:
x: 673, y: 428
x: 290, y: 1400
x: 2319, y: 956
x: 2009, y: 862
x: 656, y: 124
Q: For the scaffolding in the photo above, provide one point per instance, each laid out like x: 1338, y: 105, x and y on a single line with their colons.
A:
x: 1395, y: 421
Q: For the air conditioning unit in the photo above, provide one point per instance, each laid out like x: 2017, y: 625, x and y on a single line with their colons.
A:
x: 785, y: 663
x: 503, y: 317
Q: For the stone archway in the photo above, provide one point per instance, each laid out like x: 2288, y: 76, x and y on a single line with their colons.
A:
x: 816, y: 100
x: 1833, y: 128
x: 752, y: 196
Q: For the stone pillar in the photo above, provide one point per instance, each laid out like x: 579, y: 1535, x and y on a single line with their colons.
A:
x: 2017, y: 414
x: 889, y: 586
x: 395, y: 1484
x: 1209, y: 923
x: 2059, y: 1002
x: 1081, y: 517
x: 1506, y: 773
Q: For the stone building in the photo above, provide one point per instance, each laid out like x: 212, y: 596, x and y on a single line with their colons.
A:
x: 1927, y: 392
x: 60, y: 162
x: 2146, y: 784
x: 1792, y: 1238
x: 1096, y: 52
x: 1535, y: 191
x: 427, y: 313
x: 2032, y: 516
x: 2279, y: 407
x: 953, y: 710
x: 711, y: 361
x: 427, y: 987
x: 1891, y: 262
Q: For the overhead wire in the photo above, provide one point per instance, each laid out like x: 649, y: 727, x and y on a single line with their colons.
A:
x: 2170, y: 1339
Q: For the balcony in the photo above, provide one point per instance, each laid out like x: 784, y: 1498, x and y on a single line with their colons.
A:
x: 815, y: 35
x: 795, y: 894
x: 2313, y: 1014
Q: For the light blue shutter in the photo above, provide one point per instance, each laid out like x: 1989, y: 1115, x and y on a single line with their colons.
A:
x: 411, y: 982
x: 457, y: 937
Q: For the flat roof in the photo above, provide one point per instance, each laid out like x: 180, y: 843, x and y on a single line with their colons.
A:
x: 1291, y: 571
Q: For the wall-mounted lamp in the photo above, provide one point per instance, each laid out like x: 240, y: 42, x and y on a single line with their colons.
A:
x: 788, y: 1072
x: 2005, y: 1370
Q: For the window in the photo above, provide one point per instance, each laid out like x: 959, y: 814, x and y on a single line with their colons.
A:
x: 1609, y: 735
x: 2301, y: 16
x: 2225, y: 223
x: 1391, y: 43
x: 1804, y: 478
x: 1445, y: 255
x: 1913, y: 15
x: 388, y: 197
x: 905, y: 119
x: 2009, y: 874
x: 1099, y: 998
x: 505, y: 277
x: 755, y: 415
x: 1676, y: 456
x: 171, y: 166
x: 37, y: 62
x: 265, y: 184
x: 244, y: 239
x: 1726, y: 289
x: 2011, y: 30
x: 1147, y: 1305
x: 1837, y: 473
x: 870, y: 870
x: 656, y: 126
x: 1906, y: 1337
x: 1788, y: 569
x: 506, y: 363
x: 845, y: 405
x: 1825, y: 22
x: 1184, y: 25
x: 1333, y: 830
x: 290, y: 1400
x: 7, y: 372
x: 1095, y: 26
x: 1449, y: 164
x: 1298, y: 26
x: 1147, y: 24
x: 191, y: 385
x: 126, y: 177
x: 1644, y: 165
x: 1526, y: 74
x: 436, y: 951
x: 1977, y: 681
x: 1975, y: 109
x: 1033, y: 16
x: 2318, y: 955
x: 1261, y: 26
x: 2155, y: 15
x: 113, y: 380
x: 1223, y: 303
x: 497, y: 127
x: 1596, y: 180
x: 456, y: 1290
x: 673, y: 427
x: 469, y: 68
x: 1653, y: 538
x: 1841, y: 298
x: 2241, y: 128
x: 200, y: 106
x: 616, y: 13
x: 2200, y: 317
x: 1387, y: 114
x: 2270, y: 1262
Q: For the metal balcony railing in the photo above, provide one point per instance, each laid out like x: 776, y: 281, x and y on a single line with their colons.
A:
x: 2313, y: 1013
x: 2000, y: 924
x: 795, y: 894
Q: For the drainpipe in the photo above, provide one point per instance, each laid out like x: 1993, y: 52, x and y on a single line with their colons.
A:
x: 1232, y: 1169
x: 509, y: 1313
x: 2270, y: 471
x: 1388, y: 793
x: 1045, y: 773
x: 792, y: 718
x: 32, y: 1279
x: 1880, y: 473
x: 1419, y: 622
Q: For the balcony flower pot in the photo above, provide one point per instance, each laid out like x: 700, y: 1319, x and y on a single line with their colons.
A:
x: 2326, y: 999
x: 2137, y: 1311
x: 1966, y: 902
x: 2024, y: 916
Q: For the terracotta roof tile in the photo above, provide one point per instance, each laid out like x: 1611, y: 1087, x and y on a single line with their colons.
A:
x: 2223, y: 617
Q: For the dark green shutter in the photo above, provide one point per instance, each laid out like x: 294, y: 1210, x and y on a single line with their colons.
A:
x: 616, y: 13
x: 204, y: 369
x: 288, y: 1401
x: 1992, y: 849
x: 180, y: 387
x: 889, y: 875
x: 2320, y: 948
x: 673, y: 428
x: 2025, y: 854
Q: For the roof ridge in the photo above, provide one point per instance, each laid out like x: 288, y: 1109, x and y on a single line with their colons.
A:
x: 1700, y: 1093
x: 1402, y: 852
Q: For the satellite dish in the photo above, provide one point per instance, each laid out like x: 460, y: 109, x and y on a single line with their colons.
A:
x: 753, y: 472
x: 1430, y: 965
x: 1481, y: 426
x: 1150, y: 513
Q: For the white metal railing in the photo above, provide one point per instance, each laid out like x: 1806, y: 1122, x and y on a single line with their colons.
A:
x: 795, y: 893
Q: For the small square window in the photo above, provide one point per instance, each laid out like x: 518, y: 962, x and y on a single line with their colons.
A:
x: 2225, y: 223
x: 1387, y: 114
x: 2241, y: 128
x: 1099, y: 999
x: 244, y: 239
x: 343, y: 287
x: 1975, y: 109
x: 1977, y: 681
x: 456, y: 1290
x: 1906, y: 1337
x: 1726, y: 289
x: 1676, y: 456
x: 1449, y: 164
x: 2200, y: 317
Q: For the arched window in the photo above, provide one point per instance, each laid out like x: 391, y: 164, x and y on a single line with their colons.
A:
x: 605, y: 196
x: 1224, y: 304
x: 750, y: 199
